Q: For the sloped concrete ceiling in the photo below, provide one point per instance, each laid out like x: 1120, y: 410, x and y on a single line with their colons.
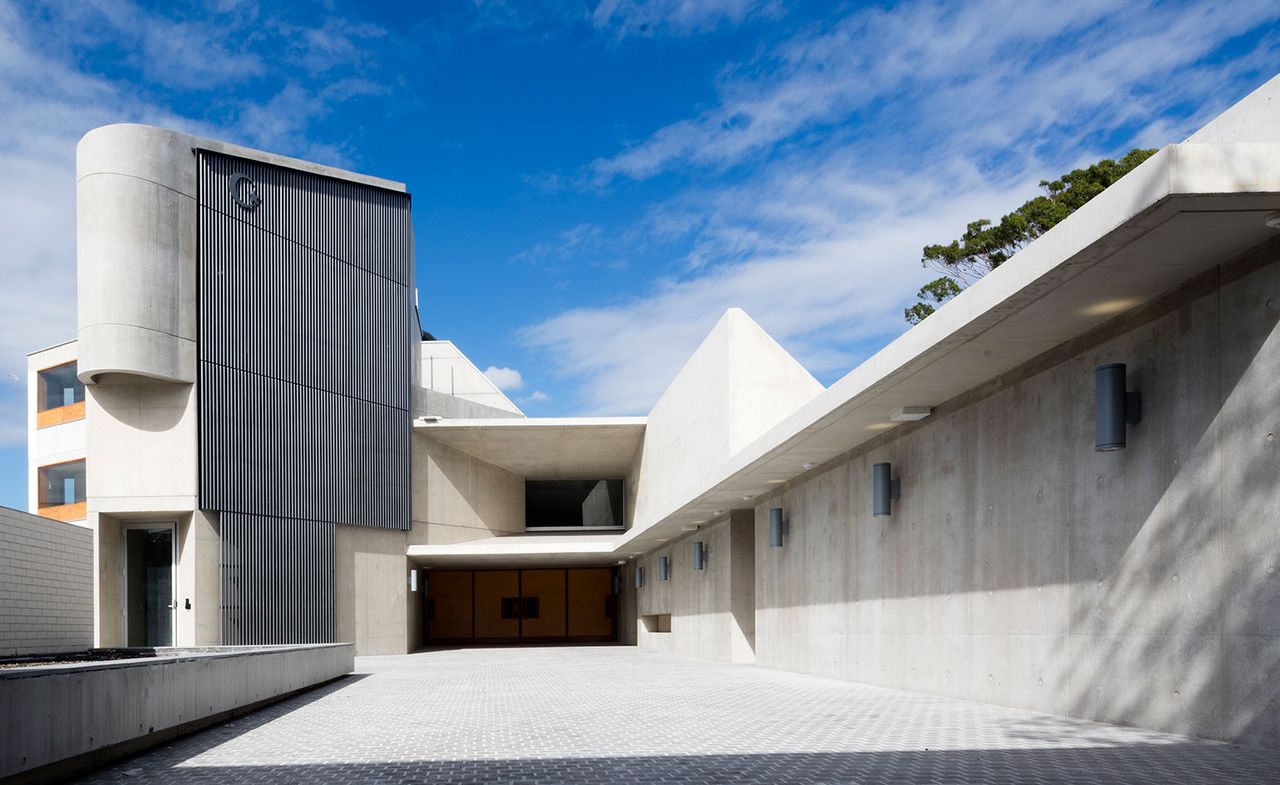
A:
x: 736, y: 386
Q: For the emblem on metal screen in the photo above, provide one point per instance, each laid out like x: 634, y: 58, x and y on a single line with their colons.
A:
x: 244, y: 192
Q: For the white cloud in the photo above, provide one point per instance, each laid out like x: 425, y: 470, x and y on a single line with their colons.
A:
x: 864, y: 141
x: 954, y: 72
x: 677, y: 17
x: 537, y: 396
x: 504, y: 379
x: 817, y: 297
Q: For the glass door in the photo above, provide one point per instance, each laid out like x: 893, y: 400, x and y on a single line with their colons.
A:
x: 149, y: 584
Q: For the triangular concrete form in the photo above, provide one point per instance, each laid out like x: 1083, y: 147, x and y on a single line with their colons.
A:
x: 1253, y: 119
x: 738, y: 384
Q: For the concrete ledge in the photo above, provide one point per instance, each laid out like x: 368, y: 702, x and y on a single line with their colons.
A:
x: 57, y: 720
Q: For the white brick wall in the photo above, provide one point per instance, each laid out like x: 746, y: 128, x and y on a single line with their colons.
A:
x: 46, y: 585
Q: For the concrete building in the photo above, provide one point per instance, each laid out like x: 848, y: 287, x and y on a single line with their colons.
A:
x: 273, y: 453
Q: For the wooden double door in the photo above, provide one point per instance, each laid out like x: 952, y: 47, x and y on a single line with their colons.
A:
x: 567, y: 605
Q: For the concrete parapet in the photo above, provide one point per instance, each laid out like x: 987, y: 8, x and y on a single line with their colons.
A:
x: 60, y: 719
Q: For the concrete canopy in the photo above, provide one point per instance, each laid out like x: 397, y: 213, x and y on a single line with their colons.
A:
x: 550, y: 448
x: 522, y: 550
x: 1189, y: 208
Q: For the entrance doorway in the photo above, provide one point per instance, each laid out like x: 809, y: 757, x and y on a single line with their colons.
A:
x: 565, y: 605
x: 149, y: 586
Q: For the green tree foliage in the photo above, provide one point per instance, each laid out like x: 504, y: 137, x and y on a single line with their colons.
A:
x: 984, y: 246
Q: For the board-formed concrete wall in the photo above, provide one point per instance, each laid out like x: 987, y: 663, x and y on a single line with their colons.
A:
x: 371, y: 574
x: 46, y: 585
x: 712, y: 610
x: 1022, y: 568
x: 458, y: 497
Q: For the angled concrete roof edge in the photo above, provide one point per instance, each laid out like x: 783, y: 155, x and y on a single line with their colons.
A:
x: 1114, y: 219
x: 534, y: 423
x: 215, y: 145
x: 463, y: 357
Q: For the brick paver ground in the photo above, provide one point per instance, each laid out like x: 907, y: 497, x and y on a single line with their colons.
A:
x: 613, y: 715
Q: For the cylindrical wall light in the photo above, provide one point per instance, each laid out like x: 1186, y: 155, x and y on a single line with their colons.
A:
x: 699, y: 555
x: 884, y: 490
x: 664, y: 568
x: 1115, y: 407
x: 778, y: 527
x: 639, y: 576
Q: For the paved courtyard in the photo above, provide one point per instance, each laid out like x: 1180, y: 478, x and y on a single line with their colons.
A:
x: 611, y: 715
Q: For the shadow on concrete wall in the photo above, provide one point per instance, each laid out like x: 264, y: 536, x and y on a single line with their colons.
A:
x: 1149, y: 576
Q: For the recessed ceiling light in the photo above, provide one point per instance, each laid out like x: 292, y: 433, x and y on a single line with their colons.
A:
x: 689, y: 527
x: 807, y: 465
x: 716, y: 512
x: 776, y: 482
x: 747, y: 498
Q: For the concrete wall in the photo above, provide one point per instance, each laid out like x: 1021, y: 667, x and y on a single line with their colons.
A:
x: 438, y: 404
x: 1025, y: 569
x: 737, y: 385
x: 457, y: 497
x: 197, y: 588
x: 92, y: 713
x: 141, y: 445
x: 46, y: 585
x: 445, y: 369
x: 371, y: 580
x: 712, y: 610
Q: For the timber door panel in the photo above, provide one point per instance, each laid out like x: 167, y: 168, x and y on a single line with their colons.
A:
x: 492, y: 587
x: 450, y: 594
x: 548, y: 586
x: 513, y: 606
x: 591, y: 604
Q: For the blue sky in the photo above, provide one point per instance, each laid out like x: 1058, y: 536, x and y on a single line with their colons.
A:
x: 594, y: 183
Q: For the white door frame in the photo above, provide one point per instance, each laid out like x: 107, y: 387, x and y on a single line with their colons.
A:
x: 172, y: 527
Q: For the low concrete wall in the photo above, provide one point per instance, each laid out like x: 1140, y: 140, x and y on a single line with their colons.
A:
x: 56, y: 720
x: 46, y: 585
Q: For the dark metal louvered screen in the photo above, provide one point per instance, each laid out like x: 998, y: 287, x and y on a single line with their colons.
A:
x: 306, y: 337
x: 277, y: 580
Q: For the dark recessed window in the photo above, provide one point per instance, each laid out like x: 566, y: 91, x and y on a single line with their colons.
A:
x: 58, y: 386
x: 573, y: 504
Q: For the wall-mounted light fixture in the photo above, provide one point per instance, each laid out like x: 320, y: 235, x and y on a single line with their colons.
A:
x: 639, y: 577
x: 664, y: 568
x: 699, y: 555
x: 779, y: 528
x: 1115, y: 408
x: 910, y: 413
x: 413, y: 581
x: 884, y: 489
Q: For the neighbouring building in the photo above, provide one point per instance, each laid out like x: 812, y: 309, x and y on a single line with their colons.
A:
x: 267, y: 448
